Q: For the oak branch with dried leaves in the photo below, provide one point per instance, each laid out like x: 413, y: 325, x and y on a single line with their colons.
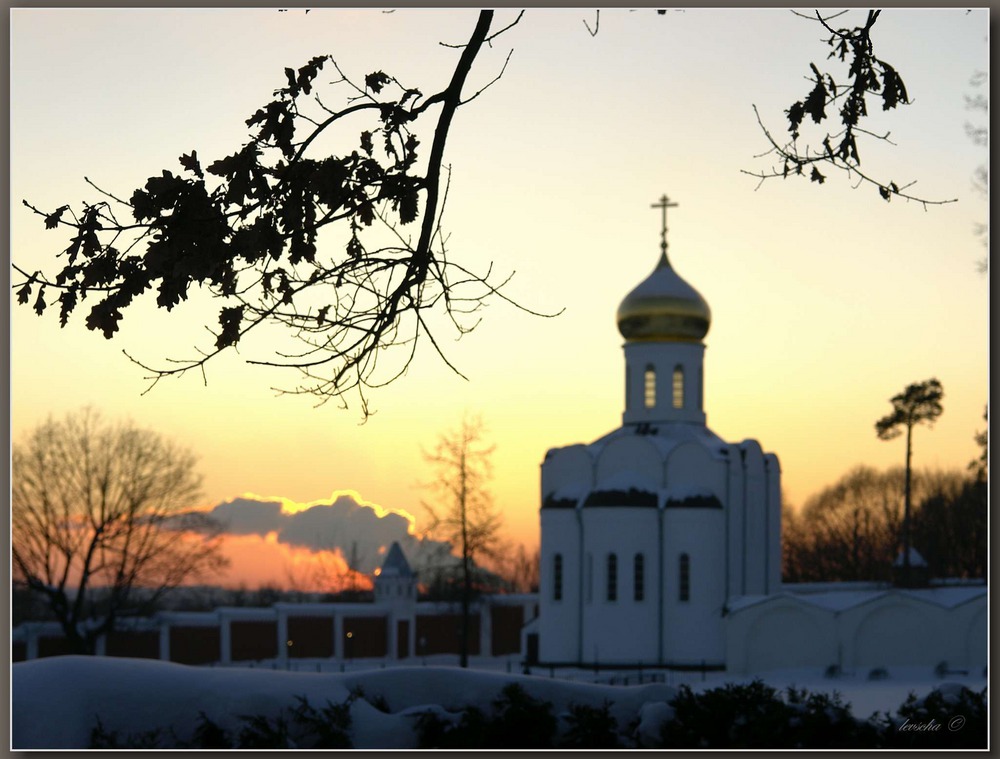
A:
x: 251, y: 230
x: 275, y: 234
x: 866, y: 75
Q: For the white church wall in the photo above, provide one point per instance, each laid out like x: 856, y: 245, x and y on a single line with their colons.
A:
x: 690, y: 469
x: 569, y: 469
x: 735, y: 516
x: 693, y: 628
x: 622, y: 629
x: 559, y: 620
x: 755, y: 516
x: 630, y: 460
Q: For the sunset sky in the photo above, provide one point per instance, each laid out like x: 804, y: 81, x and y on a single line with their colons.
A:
x: 825, y: 300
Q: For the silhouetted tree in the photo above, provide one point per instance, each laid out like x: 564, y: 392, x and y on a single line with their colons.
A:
x: 950, y: 528
x: 848, y: 531
x: 253, y: 229
x: 980, y: 465
x: 851, y: 530
x: 864, y: 75
x: 519, y: 567
x: 919, y: 402
x: 464, y: 513
x: 98, y: 522
x: 247, y: 228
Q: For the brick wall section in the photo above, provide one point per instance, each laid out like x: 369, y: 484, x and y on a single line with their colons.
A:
x: 311, y: 637
x: 253, y: 640
x: 52, y: 646
x: 139, y: 644
x: 368, y: 637
x: 506, y: 624
x: 402, y: 638
x: 441, y: 634
x: 195, y: 644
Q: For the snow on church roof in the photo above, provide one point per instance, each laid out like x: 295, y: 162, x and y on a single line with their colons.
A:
x: 665, y: 436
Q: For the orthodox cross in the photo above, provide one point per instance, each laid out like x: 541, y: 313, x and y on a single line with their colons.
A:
x: 664, y: 204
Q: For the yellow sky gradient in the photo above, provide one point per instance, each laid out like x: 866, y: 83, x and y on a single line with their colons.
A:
x: 826, y: 301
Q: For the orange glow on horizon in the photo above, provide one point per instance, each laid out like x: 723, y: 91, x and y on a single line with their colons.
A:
x: 257, y: 562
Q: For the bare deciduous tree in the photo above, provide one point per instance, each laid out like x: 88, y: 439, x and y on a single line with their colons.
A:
x: 518, y: 567
x: 852, y: 529
x: 98, y: 521
x: 463, y: 512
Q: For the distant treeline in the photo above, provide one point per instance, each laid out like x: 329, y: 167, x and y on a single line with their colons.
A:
x: 852, y: 529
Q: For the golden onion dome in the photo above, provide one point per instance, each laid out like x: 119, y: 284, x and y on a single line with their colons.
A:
x: 664, y: 307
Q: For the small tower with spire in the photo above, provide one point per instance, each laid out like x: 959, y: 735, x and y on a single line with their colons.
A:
x: 394, y: 581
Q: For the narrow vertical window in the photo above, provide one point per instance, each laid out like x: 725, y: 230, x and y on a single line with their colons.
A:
x: 639, y: 585
x: 650, y: 386
x: 557, y: 577
x: 612, y: 577
x: 684, y: 578
x: 678, y: 386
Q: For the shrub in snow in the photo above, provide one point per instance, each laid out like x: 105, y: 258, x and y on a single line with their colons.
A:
x: 589, y: 727
x: 518, y: 721
x: 824, y: 721
x: 521, y: 721
x: 755, y: 716
x: 832, y: 671
x: 102, y: 738
x: 210, y: 735
x: 733, y: 716
x: 306, y: 727
x: 878, y: 673
x: 437, y: 730
x: 645, y: 729
x: 260, y: 731
x: 950, y: 716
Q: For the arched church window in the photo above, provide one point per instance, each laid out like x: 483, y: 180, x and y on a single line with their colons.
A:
x: 678, y: 386
x: 650, y: 386
x: 557, y: 577
x: 684, y: 577
x: 639, y: 571
x: 612, y: 577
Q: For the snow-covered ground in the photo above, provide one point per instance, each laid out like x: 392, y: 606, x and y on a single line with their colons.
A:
x: 56, y: 701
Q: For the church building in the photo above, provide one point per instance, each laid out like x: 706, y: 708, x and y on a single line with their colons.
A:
x: 661, y: 542
x: 647, y: 531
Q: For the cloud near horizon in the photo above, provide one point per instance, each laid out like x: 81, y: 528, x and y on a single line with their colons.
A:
x: 344, y: 524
